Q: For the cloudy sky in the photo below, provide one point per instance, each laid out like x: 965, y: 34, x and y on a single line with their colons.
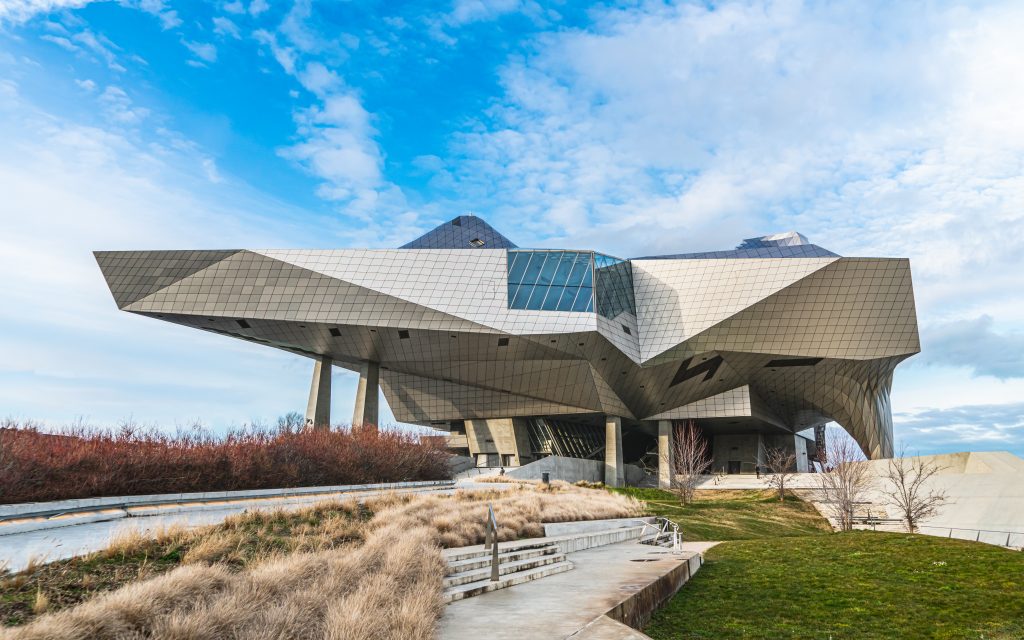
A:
x: 888, y: 129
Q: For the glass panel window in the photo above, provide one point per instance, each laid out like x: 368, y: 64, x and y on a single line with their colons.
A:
x: 588, y: 277
x: 568, y: 296
x: 551, y: 301
x: 564, y: 268
x: 584, y: 300
x: 537, y: 299
x: 517, y: 261
x: 533, y: 269
x: 522, y: 296
x: 551, y: 280
x: 547, y: 274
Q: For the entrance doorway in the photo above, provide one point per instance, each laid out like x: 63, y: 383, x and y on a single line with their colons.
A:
x: 734, y: 466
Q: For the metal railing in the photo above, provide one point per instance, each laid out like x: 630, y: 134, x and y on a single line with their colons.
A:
x: 1011, y: 536
x: 997, y: 537
x: 662, y: 527
x: 491, y: 542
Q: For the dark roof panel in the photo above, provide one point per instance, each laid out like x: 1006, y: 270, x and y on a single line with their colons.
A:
x: 464, y: 232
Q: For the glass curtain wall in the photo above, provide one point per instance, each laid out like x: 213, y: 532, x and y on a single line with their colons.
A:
x: 614, y: 278
x: 551, y: 280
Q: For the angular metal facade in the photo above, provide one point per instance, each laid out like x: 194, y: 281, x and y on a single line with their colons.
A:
x: 802, y: 336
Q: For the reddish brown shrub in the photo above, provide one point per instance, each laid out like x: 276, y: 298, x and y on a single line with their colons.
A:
x: 83, y: 463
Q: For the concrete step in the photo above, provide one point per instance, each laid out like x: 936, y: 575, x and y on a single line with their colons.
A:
x: 452, y: 555
x: 505, y: 568
x: 471, y: 589
x: 468, y: 564
x: 658, y: 540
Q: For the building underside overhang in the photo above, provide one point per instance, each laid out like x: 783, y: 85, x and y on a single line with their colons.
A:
x: 786, y: 341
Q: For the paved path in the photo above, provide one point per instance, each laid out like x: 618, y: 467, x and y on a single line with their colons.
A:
x: 561, y: 605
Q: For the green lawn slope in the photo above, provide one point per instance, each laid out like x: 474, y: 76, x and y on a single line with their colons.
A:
x: 781, y: 575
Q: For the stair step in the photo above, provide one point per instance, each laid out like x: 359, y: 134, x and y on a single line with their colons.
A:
x: 460, y: 592
x: 504, y: 547
x: 504, y: 569
x: 456, y: 566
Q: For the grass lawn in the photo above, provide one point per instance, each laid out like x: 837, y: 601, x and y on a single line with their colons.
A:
x: 733, y: 515
x: 859, y: 585
x: 782, y: 574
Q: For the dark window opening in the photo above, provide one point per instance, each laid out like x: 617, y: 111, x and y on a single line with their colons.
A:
x: 403, y: 334
x: 477, y: 242
x: 456, y: 222
x: 335, y: 332
x: 626, y: 329
x: 794, y: 362
x: 243, y: 324
x: 502, y: 342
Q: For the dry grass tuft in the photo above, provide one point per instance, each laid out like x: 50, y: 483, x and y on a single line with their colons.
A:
x: 329, y: 571
x: 41, y: 604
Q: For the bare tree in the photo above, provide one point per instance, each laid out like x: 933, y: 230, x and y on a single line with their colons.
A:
x: 845, y: 480
x: 906, y: 488
x: 781, y: 464
x: 692, y: 459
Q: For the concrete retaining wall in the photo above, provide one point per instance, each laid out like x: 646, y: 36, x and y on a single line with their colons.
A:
x: 33, y: 509
x: 35, y: 516
x: 572, y: 470
x: 589, y: 526
x: 636, y: 610
x: 580, y: 541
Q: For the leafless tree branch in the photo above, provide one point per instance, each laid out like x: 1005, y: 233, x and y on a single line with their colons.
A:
x: 845, y: 479
x: 906, y: 488
x: 781, y: 464
x: 692, y: 459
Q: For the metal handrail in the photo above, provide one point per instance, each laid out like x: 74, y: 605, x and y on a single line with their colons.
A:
x: 661, y: 526
x: 978, y: 532
x: 491, y: 542
x: 874, y: 521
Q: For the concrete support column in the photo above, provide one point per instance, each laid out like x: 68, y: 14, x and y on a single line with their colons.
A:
x: 666, y: 454
x: 367, y: 396
x: 614, y: 471
x: 318, y: 409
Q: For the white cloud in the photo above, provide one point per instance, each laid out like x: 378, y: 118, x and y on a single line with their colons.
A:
x: 168, y: 17
x: 60, y: 41
x: 256, y: 7
x: 338, y: 147
x: 467, y: 11
x: 120, y: 108
x: 86, y: 85
x: 202, y: 50
x: 285, y: 55
x: 318, y: 79
x: 691, y: 127
x: 101, y: 46
x: 19, y: 11
x: 226, y: 27
x: 975, y: 345
x: 70, y: 189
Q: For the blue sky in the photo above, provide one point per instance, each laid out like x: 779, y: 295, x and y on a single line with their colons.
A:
x: 878, y: 129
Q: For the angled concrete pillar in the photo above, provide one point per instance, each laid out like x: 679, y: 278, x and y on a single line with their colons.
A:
x: 367, y: 396
x: 614, y: 472
x: 318, y: 409
x: 666, y: 454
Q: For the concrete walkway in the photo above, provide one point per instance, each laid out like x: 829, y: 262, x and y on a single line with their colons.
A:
x: 574, y: 602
